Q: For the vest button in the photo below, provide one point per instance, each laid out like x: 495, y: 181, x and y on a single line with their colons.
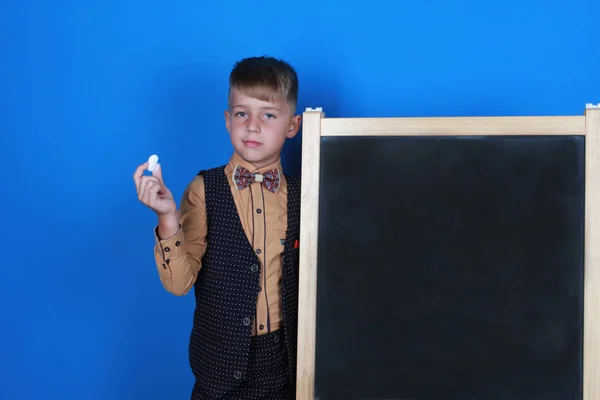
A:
x: 246, y: 321
x: 237, y: 375
x: 254, y: 268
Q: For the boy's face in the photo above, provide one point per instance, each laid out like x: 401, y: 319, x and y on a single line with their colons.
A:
x: 258, y: 129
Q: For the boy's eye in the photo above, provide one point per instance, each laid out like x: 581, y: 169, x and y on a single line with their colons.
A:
x: 269, y: 115
x: 240, y: 114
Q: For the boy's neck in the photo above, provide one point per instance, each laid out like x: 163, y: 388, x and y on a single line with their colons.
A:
x: 236, y: 159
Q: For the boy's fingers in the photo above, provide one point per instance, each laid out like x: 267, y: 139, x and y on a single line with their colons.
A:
x: 139, y: 172
x: 154, y: 186
x: 158, y: 173
x: 148, y: 192
x: 142, y: 188
x: 146, y: 182
x: 153, y: 190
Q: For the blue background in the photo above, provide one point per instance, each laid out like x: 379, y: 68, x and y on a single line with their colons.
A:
x: 89, y: 89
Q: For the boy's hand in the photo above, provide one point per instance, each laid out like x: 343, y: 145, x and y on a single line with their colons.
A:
x: 153, y: 193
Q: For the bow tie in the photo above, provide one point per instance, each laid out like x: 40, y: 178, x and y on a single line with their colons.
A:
x: 243, y: 177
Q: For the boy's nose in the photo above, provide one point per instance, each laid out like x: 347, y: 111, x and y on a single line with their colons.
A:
x: 252, y: 126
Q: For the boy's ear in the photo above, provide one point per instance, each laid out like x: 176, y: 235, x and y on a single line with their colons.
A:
x: 227, y: 122
x: 294, y: 126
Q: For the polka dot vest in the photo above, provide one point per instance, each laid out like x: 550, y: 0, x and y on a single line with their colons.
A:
x: 227, y: 287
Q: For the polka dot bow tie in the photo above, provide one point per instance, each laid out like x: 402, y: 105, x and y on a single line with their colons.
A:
x: 243, y: 177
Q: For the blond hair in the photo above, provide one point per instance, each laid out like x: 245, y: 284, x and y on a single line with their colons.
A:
x: 265, y: 78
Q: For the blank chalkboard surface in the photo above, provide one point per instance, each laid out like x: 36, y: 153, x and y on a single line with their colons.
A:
x: 450, y: 268
x: 449, y: 258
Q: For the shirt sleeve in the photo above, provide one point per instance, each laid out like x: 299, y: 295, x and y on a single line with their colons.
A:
x: 178, y: 258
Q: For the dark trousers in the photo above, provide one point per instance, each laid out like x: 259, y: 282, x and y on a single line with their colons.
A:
x: 267, y: 376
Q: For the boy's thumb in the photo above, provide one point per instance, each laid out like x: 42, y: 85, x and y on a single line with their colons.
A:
x: 158, y: 172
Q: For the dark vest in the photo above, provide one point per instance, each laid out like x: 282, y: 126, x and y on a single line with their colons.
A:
x: 227, y: 286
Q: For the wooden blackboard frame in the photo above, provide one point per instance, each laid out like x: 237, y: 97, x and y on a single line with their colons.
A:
x: 316, y: 125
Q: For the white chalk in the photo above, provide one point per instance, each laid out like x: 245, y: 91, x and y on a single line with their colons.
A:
x: 152, y: 161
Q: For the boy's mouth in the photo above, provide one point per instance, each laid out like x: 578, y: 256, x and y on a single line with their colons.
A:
x: 251, y: 143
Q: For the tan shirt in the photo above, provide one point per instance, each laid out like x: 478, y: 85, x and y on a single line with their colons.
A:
x: 264, y: 218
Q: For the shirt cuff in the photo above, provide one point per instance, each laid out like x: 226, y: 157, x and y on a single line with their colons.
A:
x: 171, y: 247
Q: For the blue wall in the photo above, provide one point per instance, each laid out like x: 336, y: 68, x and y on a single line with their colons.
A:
x: 90, y: 89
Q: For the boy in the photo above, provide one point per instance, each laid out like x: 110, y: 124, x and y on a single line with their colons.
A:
x: 235, y: 243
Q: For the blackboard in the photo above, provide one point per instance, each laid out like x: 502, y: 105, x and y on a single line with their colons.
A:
x: 448, y: 264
